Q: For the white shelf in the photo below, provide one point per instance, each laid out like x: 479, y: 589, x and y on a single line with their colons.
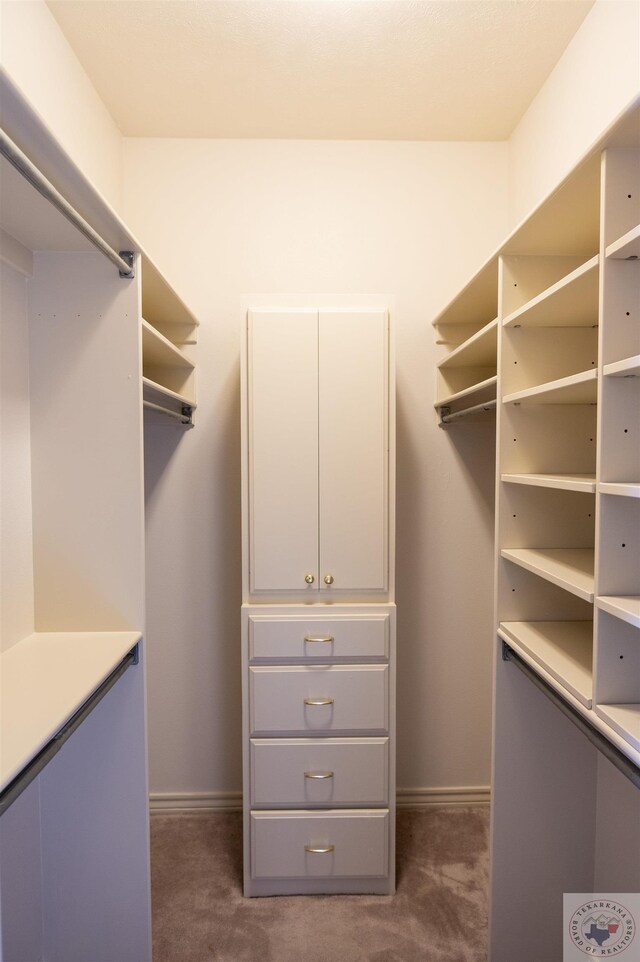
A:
x: 562, y: 648
x: 478, y: 350
x: 477, y: 301
x: 564, y: 482
x: 160, y: 351
x: 570, y: 302
x: 627, y: 246
x: 626, y: 607
x: 624, y: 489
x: 627, y: 367
x: 569, y: 568
x: 46, y: 678
x: 576, y: 389
x: 476, y: 393
x: 157, y: 393
x: 624, y: 719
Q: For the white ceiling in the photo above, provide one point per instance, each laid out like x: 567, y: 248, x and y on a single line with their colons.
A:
x: 375, y: 69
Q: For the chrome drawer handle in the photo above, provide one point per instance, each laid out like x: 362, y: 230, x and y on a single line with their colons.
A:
x: 318, y: 701
x: 319, y: 850
x: 318, y: 774
x: 325, y: 638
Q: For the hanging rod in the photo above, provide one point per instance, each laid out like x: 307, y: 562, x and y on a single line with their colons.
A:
x: 624, y: 765
x: 123, y: 260
x: 446, y: 417
x: 22, y: 781
x: 184, y: 415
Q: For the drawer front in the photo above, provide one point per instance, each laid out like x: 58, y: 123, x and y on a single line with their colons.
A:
x: 313, y: 637
x: 319, y: 771
x: 319, y: 698
x: 345, y: 843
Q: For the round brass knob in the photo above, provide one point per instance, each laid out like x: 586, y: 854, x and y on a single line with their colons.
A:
x: 328, y: 579
x: 309, y: 579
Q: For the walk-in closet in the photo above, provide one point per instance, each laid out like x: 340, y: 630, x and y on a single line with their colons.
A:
x: 320, y: 480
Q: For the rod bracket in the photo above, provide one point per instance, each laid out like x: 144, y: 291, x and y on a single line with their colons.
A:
x: 128, y: 257
x: 444, y: 411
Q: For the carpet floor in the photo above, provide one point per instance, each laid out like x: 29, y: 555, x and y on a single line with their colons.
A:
x: 439, y: 912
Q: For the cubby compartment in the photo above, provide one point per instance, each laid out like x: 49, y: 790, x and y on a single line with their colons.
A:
x: 617, y: 693
x: 621, y: 227
x: 549, y: 625
x: 470, y: 364
x: 554, y: 445
x: 549, y: 291
x: 550, y: 533
x: 620, y: 312
x: 466, y: 379
x: 533, y: 356
x: 620, y: 430
x: 166, y: 366
x: 619, y: 546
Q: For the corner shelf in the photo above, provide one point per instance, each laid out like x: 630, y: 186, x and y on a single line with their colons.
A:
x: 568, y: 568
x: 562, y: 648
x: 571, y: 302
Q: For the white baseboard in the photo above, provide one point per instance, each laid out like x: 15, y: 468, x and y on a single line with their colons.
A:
x: 232, y: 801
x: 429, y: 797
x: 195, y: 802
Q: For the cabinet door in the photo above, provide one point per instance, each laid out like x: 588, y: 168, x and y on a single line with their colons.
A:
x: 353, y: 444
x: 283, y: 449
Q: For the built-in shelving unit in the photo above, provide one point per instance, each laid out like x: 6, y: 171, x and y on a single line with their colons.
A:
x: 567, y: 528
x: 168, y: 375
x: 74, y: 825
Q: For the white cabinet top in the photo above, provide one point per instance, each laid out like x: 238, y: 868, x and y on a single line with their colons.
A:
x: 45, y: 679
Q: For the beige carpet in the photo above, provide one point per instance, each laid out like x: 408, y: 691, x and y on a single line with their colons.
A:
x: 439, y: 913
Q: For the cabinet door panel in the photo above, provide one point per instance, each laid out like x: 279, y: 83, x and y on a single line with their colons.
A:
x: 353, y: 444
x: 283, y: 446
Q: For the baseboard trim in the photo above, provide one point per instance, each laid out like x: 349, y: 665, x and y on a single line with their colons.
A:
x: 232, y: 801
x: 195, y: 802
x: 430, y: 797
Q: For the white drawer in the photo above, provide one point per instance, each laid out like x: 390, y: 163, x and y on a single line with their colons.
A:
x: 319, y: 771
x: 349, y: 843
x: 312, y: 636
x: 321, y: 698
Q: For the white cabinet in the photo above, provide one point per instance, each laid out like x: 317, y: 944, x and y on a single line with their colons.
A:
x: 318, y: 620
x: 318, y: 463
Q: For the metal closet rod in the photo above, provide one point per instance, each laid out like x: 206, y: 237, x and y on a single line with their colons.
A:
x: 446, y: 416
x: 624, y: 765
x: 22, y: 781
x: 184, y: 416
x: 36, y: 178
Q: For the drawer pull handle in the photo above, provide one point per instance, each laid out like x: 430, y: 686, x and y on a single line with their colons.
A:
x: 325, y: 638
x: 318, y: 701
x: 319, y: 849
x: 318, y: 774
